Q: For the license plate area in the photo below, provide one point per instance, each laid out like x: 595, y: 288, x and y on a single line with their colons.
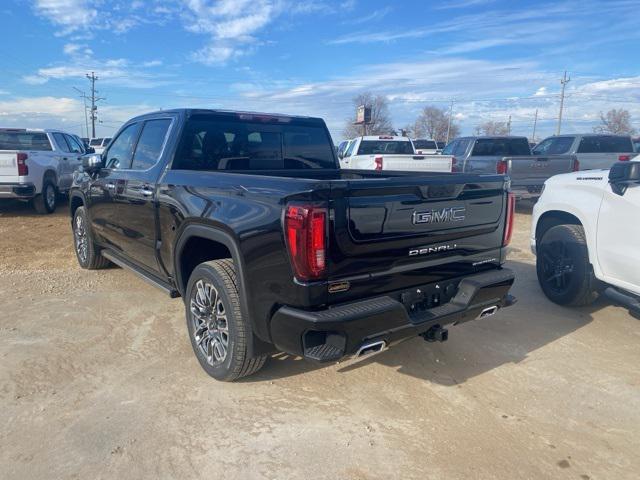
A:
x: 429, y: 296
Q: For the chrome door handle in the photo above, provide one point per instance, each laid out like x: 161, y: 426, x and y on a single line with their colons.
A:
x: 146, y: 193
x: 111, y: 186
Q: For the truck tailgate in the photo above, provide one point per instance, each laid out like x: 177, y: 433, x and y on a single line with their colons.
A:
x: 417, y: 163
x: 398, y: 232
x: 8, y: 166
x: 527, y: 170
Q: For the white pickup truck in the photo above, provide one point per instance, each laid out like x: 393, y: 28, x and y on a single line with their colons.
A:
x: 37, y: 165
x: 386, y: 152
x: 585, y: 233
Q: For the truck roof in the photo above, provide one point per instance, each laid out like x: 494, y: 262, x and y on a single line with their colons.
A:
x: 592, y: 135
x: 195, y: 111
x: 393, y: 138
x: 26, y: 130
x: 494, y: 137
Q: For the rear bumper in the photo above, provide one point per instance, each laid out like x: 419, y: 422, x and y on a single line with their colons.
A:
x: 17, y: 190
x: 330, y: 334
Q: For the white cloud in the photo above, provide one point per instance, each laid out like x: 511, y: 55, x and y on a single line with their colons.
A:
x: 77, y: 49
x: 71, y: 15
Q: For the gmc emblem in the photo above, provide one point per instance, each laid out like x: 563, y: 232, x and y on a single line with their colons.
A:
x: 449, y: 214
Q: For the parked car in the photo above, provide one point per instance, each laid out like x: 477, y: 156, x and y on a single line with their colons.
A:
x: 636, y: 144
x: 593, y: 150
x: 424, y: 146
x: 274, y: 248
x: 508, y: 155
x: 585, y: 237
x: 37, y: 165
x: 387, y: 152
x: 99, y: 144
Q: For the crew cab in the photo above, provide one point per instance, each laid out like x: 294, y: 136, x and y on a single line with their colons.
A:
x: 37, y: 165
x: 592, y: 150
x: 585, y: 235
x: 273, y: 247
x: 509, y: 155
x: 387, y: 152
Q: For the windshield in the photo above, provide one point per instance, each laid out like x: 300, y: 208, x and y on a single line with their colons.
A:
x: 426, y: 144
x: 554, y: 146
x: 372, y: 147
x: 500, y: 147
x: 37, y: 141
x: 96, y: 142
x: 214, y: 143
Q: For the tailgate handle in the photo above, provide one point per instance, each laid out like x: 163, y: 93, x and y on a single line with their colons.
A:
x: 418, y: 157
x: 542, y: 159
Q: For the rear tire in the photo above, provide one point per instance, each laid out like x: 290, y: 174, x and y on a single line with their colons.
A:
x: 46, y: 202
x: 87, y: 253
x: 562, y: 264
x: 218, y: 332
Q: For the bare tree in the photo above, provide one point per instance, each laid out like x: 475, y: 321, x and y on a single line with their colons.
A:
x: 433, y: 123
x: 492, y: 128
x: 615, y: 121
x: 380, y: 117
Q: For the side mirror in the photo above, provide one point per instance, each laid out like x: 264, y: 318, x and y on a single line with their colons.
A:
x: 92, y: 162
x: 623, y: 174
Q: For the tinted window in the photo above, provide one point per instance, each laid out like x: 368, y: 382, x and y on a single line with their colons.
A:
x: 61, y: 142
x: 349, y: 149
x: 74, y: 144
x: 554, y: 146
x: 426, y: 144
x: 150, y: 144
x: 24, y: 141
x: 213, y: 143
x: 372, y: 147
x: 448, y: 150
x: 500, y: 147
x: 605, y: 144
x: 461, y: 147
x: 119, y: 153
x: 105, y: 142
x: 96, y: 142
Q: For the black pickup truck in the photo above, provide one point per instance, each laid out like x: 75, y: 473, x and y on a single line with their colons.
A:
x: 248, y: 217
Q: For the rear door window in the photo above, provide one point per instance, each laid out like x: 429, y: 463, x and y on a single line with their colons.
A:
x: 554, y: 146
x: 74, y: 144
x: 119, y: 154
x: 33, y: 141
x: 61, y: 142
x: 150, y: 144
x: 448, y: 150
x: 605, y: 144
x: 461, y: 147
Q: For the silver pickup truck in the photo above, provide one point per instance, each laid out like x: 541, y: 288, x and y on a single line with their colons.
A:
x: 509, y: 156
x: 593, y: 150
x: 36, y: 165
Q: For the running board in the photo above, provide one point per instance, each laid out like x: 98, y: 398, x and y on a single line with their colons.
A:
x: 628, y: 301
x: 121, y: 262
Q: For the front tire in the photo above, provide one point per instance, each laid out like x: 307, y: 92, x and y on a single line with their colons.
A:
x: 218, y: 332
x: 87, y: 253
x: 562, y: 264
x: 46, y: 202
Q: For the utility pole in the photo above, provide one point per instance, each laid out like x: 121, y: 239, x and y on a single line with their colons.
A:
x: 535, y: 123
x: 84, y: 102
x: 509, y: 126
x: 94, y: 100
x: 449, y: 124
x: 563, y: 82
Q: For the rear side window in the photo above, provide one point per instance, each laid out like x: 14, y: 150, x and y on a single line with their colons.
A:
x: 120, y: 151
x: 605, y: 144
x: 554, y: 146
x: 373, y: 147
x: 448, y: 150
x: 34, y: 141
x: 213, y: 143
x: 349, y: 149
x: 501, y: 147
x: 150, y: 144
x: 461, y: 147
x: 74, y: 144
x: 426, y: 144
x: 61, y: 142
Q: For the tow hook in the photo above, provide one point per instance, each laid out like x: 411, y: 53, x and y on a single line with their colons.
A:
x: 436, y: 334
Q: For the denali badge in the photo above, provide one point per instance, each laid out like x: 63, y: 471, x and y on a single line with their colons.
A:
x: 449, y: 214
x: 427, y: 250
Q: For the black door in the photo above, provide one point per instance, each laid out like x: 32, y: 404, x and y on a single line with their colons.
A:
x: 137, y: 202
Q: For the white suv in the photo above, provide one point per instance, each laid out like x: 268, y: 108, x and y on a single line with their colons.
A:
x: 585, y: 233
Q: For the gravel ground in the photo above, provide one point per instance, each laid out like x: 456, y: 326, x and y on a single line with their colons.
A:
x: 97, y: 380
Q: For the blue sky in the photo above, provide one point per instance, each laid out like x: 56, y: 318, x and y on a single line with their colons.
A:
x: 494, y: 58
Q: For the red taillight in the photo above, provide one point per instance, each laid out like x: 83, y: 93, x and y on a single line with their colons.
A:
x: 23, y: 169
x: 502, y: 167
x: 508, y: 228
x: 576, y: 165
x: 624, y: 158
x: 305, y: 229
x: 454, y: 164
x: 378, y: 161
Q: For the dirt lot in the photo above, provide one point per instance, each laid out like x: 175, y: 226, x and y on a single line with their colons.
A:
x: 97, y: 380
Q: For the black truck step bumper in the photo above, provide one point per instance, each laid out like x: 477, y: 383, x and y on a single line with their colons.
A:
x: 330, y: 334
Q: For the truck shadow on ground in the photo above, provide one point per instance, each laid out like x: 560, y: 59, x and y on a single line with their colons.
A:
x: 17, y: 208
x: 473, y: 348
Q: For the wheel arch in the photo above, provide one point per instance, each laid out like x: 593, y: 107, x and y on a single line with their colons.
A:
x: 553, y: 218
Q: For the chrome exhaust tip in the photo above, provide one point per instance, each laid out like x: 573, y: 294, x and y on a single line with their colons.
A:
x: 371, y: 348
x: 487, y: 312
